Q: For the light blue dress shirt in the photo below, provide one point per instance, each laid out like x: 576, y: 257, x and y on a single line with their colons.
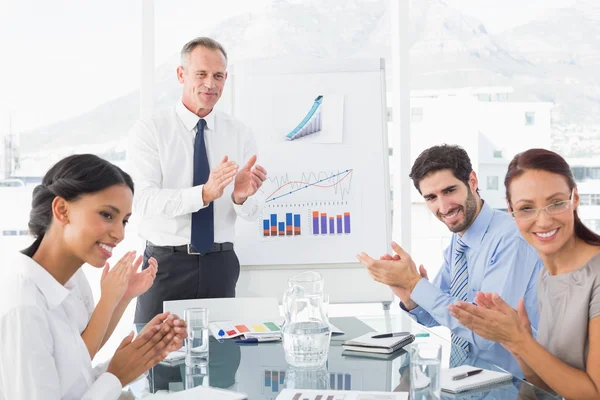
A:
x: 499, y: 260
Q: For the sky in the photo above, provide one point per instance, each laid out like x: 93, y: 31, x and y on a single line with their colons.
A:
x: 64, y: 57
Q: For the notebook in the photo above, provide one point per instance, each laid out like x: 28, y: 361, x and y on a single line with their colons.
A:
x: 367, y: 344
x: 479, y: 381
x: 374, y: 356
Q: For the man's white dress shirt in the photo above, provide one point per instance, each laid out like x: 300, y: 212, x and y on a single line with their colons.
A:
x: 160, y: 159
x: 42, y: 354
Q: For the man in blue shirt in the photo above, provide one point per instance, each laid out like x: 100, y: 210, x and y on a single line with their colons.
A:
x: 486, y: 253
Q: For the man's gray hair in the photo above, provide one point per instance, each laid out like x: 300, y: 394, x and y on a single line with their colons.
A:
x: 203, y: 41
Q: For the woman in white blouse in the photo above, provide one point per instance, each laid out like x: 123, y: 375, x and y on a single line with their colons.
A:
x: 78, y: 216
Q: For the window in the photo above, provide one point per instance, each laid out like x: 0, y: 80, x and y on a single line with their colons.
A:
x: 484, y: 97
x: 593, y: 224
x: 502, y: 96
x: 529, y: 118
x: 416, y: 114
x: 88, y: 82
x: 585, y: 200
x: 492, y: 183
x: 497, y: 153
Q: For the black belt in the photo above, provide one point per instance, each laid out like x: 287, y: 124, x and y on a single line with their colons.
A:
x: 189, y: 249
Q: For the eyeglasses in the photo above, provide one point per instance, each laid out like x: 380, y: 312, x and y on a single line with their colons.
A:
x: 528, y: 214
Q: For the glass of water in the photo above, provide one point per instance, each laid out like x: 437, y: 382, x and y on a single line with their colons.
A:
x: 196, y: 344
x: 425, y: 364
x: 196, y: 376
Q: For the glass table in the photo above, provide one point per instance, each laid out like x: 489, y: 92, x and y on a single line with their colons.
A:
x: 260, y: 370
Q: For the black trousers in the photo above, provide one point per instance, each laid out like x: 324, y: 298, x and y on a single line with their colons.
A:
x: 182, y: 276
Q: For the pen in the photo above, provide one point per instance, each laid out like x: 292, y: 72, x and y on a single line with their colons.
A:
x: 387, y: 335
x: 259, y: 339
x: 466, y: 374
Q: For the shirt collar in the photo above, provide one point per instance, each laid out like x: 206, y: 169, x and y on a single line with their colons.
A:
x: 474, y: 234
x: 51, y: 289
x: 190, y: 120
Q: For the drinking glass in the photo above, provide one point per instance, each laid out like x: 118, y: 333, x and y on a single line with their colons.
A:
x: 196, y: 344
x: 425, y: 365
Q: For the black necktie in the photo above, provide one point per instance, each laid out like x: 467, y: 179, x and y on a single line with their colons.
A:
x: 203, y: 224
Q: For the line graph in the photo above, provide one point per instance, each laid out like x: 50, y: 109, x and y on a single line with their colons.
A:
x: 321, y: 185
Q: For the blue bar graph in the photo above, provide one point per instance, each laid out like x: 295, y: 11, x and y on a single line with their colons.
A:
x: 288, y: 224
x: 282, y: 229
x: 268, y: 378
x: 340, y: 381
x: 275, y: 377
x: 274, y: 381
x: 297, y: 229
x: 273, y: 224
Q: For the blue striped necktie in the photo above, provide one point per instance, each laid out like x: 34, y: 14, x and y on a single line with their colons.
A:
x: 458, y: 289
x: 203, y: 224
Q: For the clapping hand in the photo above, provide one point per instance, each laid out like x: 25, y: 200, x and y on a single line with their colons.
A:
x: 140, y: 282
x: 219, y: 178
x: 248, y: 180
x: 115, y: 281
x: 170, y: 323
x: 399, y: 270
x: 494, y: 320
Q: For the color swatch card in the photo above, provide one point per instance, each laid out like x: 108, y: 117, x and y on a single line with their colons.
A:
x: 229, y: 329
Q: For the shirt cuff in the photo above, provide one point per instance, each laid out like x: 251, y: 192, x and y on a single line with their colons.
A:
x: 425, y: 295
x: 191, y: 199
x: 410, y: 314
x: 107, y: 386
x: 247, y: 208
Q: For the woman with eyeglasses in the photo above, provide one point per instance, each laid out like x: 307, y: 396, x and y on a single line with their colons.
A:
x: 542, y: 197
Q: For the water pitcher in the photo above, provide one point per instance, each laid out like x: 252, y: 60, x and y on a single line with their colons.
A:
x: 306, y: 331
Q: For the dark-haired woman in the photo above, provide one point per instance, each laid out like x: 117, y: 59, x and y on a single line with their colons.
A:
x: 542, y: 197
x: 78, y: 215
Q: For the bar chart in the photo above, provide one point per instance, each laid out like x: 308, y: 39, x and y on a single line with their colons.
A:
x: 288, y: 224
x: 324, y: 223
x: 273, y: 381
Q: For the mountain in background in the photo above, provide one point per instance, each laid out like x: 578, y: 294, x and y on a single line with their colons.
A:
x: 544, y: 60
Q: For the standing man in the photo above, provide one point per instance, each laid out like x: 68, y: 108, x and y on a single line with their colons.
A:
x: 487, y: 253
x: 189, y: 188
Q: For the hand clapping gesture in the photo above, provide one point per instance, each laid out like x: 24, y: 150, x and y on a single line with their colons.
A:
x: 248, y: 180
x: 123, y: 282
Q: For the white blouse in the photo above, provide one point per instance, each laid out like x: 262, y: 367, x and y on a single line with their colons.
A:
x: 42, y: 354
